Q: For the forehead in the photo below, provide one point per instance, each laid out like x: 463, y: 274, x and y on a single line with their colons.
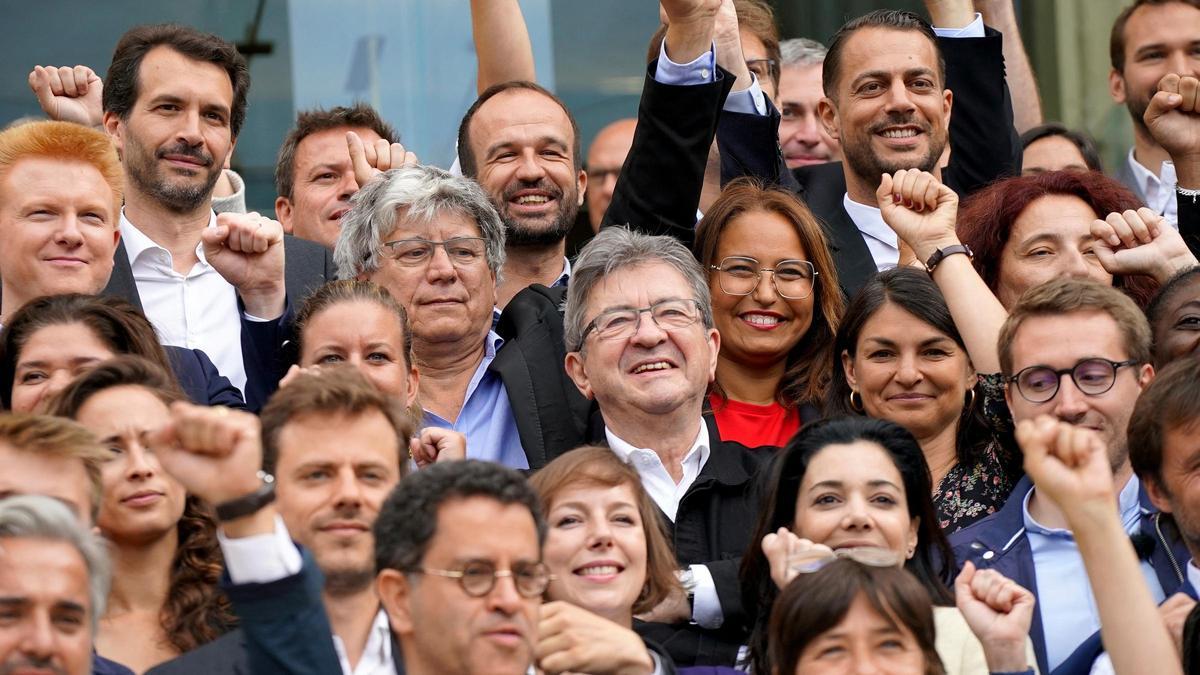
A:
x: 752, y: 47
x: 612, y: 143
x: 590, y: 494
x: 800, y: 83
x: 638, y: 286
x: 1181, y: 443
x: 1169, y: 23
x: 356, y: 320
x: 123, y: 407
x: 520, y: 115
x: 43, y: 570
x: 53, y: 342
x: 893, y: 322
x: 1062, y: 340
x: 337, y: 438
x: 32, y: 473
x: 885, y: 50
x: 166, y: 72
x: 328, y: 146
x: 58, y: 179
x: 857, y: 462
x: 483, y: 528
x: 444, y: 224
x: 1064, y: 216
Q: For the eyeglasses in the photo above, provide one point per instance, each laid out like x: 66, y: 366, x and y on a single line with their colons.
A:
x: 617, y: 324
x: 872, y: 556
x: 793, y: 279
x: 1038, y: 384
x: 479, y: 578
x: 763, y: 69
x: 462, y: 251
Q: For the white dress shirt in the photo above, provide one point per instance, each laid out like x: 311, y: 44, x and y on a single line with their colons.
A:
x: 881, y: 240
x: 666, y: 493
x: 198, y: 310
x: 1159, y: 190
x: 263, y: 558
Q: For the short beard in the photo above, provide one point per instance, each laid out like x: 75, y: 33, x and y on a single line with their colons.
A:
x: 518, y: 235
x: 349, y: 581
x: 1137, y: 110
x: 865, y: 163
x: 141, y: 166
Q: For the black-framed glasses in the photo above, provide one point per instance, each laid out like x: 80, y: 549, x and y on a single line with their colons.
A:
x: 462, y: 251
x: 763, y: 69
x: 479, y: 578
x: 618, y: 324
x: 1093, y: 377
x: 740, y: 275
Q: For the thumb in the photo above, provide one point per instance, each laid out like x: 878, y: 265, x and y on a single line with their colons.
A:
x: 1162, y: 103
x: 1106, y: 256
x: 962, y: 583
x: 213, y: 239
x: 39, y: 82
x: 884, y: 194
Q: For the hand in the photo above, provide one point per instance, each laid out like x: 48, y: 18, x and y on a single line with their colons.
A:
x: 369, y: 161
x: 69, y: 94
x: 690, y: 25
x: 785, y: 551
x: 434, y: 444
x: 1174, y: 613
x: 950, y: 13
x: 999, y: 612
x: 572, y: 639
x: 728, y: 39
x: 1068, y: 464
x: 214, y: 452
x: 1141, y: 242
x: 920, y: 209
x: 673, y: 609
x: 1173, y: 117
x: 247, y: 250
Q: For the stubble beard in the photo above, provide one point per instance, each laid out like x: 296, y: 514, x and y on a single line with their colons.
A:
x: 142, y: 168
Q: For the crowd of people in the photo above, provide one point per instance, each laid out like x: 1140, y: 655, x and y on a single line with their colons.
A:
x: 866, y: 368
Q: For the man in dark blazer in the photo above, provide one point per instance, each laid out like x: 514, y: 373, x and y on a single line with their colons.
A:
x: 642, y: 344
x: 337, y: 447
x: 983, y: 142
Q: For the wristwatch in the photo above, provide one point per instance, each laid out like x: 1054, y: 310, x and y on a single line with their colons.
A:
x: 248, y: 504
x: 940, y: 255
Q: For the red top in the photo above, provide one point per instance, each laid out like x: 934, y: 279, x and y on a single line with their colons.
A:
x: 754, y: 425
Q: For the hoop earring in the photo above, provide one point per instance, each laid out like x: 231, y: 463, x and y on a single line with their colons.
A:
x: 856, y: 407
x: 970, y: 400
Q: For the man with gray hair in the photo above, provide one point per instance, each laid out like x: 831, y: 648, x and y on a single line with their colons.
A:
x: 436, y: 242
x: 639, y: 328
x: 54, y: 577
x: 802, y: 138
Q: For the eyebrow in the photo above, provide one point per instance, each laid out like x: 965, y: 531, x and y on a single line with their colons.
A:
x: 841, y: 484
x: 74, y: 362
x: 924, y: 343
x: 1047, y: 237
x: 584, y: 507
x: 1160, y: 45
x: 887, y: 75
x: 539, y: 141
x: 326, y: 166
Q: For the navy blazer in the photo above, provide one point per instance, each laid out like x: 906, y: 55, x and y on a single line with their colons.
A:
x: 998, y: 542
x: 307, y: 267
x: 200, y: 380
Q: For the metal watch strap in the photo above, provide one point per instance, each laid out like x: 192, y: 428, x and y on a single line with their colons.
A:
x: 248, y: 504
x: 940, y: 255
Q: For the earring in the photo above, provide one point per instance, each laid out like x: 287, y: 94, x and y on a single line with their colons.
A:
x: 856, y: 406
x: 911, y: 551
x: 970, y: 399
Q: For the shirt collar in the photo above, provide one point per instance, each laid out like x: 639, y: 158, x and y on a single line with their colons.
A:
x: 624, y: 450
x: 869, y: 221
x: 1148, y: 182
x: 491, y: 344
x: 565, y: 277
x: 137, y: 243
x: 1127, y: 505
x: 1193, y: 574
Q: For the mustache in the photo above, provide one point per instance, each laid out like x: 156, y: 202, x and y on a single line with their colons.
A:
x: 542, y: 184
x: 187, y: 151
x: 352, y: 514
x: 899, y: 118
x: 25, y: 662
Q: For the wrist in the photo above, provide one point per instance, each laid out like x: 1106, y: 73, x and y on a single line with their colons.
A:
x: 267, y: 303
x: 950, y: 13
x: 1005, y: 656
x: 1187, y: 172
x: 687, y: 39
x: 259, y: 522
x: 924, y: 250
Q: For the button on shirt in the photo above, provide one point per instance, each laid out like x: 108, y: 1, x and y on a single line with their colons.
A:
x: 1159, y: 190
x: 197, y: 310
x: 1065, y: 600
x: 376, y: 658
x: 666, y: 493
x: 486, y: 417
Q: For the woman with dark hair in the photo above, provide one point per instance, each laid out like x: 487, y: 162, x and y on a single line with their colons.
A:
x: 52, y: 339
x: 165, y: 598
x: 776, y: 303
x: 1174, y: 314
x: 1054, y: 147
x: 610, y: 559
x: 1028, y: 230
x: 846, y: 484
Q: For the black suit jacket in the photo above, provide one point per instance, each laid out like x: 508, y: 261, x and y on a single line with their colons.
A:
x: 307, y: 267
x: 550, y: 413
x: 984, y: 146
x: 712, y: 527
x: 200, y: 380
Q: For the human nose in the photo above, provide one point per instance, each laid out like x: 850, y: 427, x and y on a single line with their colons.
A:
x: 347, y: 186
x: 68, y: 232
x: 189, y: 128
x: 908, y: 370
x: 647, y: 332
x: 898, y: 98
x: 857, y: 516
x: 529, y: 168
x: 439, y: 267
x: 504, y: 597
x: 1074, y: 266
x: 1070, y: 404
x: 764, y: 291
x: 599, y: 533
x: 141, y: 464
x: 37, y: 639
x: 609, y: 184
x: 57, y: 381
x: 349, y: 491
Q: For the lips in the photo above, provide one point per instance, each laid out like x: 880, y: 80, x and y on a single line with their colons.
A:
x: 337, y: 215
x: 506, y: 634
x: 652, y: 365
x: 599, y: 570
x: 66, y: 260
x: 344, y: 527
x: 765, y: 321
x: 142, y: 498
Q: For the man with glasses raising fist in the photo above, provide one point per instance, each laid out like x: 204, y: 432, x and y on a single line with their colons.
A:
x: 1079, y: 351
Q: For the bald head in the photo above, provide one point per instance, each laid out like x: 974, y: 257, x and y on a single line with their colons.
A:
x: 605, y: 157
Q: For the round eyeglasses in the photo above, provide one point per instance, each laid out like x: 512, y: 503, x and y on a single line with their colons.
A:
x: 739, y: 275
x: 618, y: 324
x: 479, y: 578
x: 1093, y: 377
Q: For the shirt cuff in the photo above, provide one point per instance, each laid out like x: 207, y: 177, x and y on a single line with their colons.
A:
x: 261, y: 558
x: 703, y: 70
x: 706, y: 606
x: 971, y: 30
x: 750, y: 100
x: 658, y: 666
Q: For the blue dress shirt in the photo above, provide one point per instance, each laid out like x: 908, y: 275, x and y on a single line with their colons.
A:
x: 1065, y: 600
x: 486, y: 417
